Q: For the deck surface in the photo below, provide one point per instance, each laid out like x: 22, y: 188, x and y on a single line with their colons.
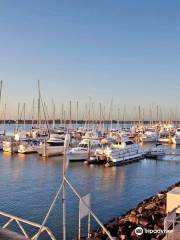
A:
x: 8, y: 235
x: 175, y: 235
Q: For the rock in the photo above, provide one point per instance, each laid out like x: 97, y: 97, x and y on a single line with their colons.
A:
x: 149, y: 214
x: 150, y: 206
x: 122, y: 237
x: 144, y: 221
x: 132, y: 218
x: 140, y: 209
x: 133, y: 212
x: 161, y: 195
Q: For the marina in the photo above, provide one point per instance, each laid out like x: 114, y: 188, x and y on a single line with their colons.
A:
x: 34, y: 181
x: 89, y: 120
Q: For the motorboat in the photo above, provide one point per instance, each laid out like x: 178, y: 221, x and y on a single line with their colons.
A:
x: 120, y: 152
x: 85, y: 149
x: 176, y: 137
x: 28, y: 146
x: 150, y: 135
x: 157, y: 152
x: 54, y: 146
x: 10, y: 144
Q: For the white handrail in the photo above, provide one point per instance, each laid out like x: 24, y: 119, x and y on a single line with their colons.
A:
x: 18, y: 220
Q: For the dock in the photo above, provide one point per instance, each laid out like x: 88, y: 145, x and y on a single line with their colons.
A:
x: 174, y: 235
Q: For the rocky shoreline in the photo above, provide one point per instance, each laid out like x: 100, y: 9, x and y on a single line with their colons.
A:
x: 149, y: 214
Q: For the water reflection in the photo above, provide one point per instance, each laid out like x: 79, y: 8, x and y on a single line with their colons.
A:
x: 28, y: 184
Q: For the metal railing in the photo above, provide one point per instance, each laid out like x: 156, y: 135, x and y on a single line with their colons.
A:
x: 170, y: 224
x: 20, y: 221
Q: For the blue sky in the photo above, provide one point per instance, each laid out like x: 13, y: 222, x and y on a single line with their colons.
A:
x: 128, y: 50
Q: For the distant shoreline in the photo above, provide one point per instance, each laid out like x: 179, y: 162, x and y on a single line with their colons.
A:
x: 59, y: 121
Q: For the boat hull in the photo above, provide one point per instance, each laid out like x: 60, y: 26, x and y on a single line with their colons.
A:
x: 78, y: 156
x: 125, y: 160
x: 50, y: 151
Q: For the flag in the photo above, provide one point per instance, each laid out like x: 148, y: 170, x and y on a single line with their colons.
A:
x: 83, y: 210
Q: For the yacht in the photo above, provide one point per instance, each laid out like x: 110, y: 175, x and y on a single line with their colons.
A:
x: 2, y: 136
x: 54, y: 146
x: 176, y: 138
x: 150, y: 135
x: 157, y: 152
x: 165, y: 138
x: 10, y: 145
x: 120, y: 152
x: 85, y: 149
x: 28, y: 146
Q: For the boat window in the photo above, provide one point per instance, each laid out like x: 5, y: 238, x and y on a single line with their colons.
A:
x: 129, y: 143
x: 56, y: 143
x: 83, y: 145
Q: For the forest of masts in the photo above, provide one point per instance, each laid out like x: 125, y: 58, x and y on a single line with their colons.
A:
x: 75, y: 113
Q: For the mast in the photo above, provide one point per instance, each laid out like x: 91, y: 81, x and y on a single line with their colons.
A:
x: 39, y: 103
x: 18, y: 112
x: 89, y: 114
x: 139, y: 114
x: 93, y: 117
x: 24, y: 111
x: 0, y: 91
x: 110, y: 112
x: 62, y: 114
x: 70, y: 117
x: 54, y: 113
x: 118, y: 120
x: 77, y: 113
x: 32, y: 113
x: 124, y: 113
x: 157, y: 112
x: 4, y: 119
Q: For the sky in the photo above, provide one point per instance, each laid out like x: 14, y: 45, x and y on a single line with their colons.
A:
x: 90, y: 49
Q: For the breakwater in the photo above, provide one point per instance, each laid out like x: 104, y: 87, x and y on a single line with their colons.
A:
x: 148, y: 214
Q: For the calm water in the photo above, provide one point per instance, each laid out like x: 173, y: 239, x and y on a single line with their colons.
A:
x: 29, y: 183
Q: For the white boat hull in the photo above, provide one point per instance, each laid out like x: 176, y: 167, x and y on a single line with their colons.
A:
x: 126, y: 157
x: 11, y: 147
x: 78, y: 156
x: 149, y: 139
x: 50, y: 151
x: 27, y: 149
